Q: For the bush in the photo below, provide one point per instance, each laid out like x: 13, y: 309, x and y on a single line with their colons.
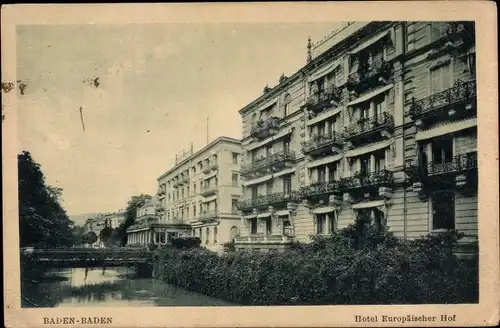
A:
x: 186, y: 242
x: 347, y: 268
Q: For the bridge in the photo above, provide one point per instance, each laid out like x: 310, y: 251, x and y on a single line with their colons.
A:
x: 87, y: 257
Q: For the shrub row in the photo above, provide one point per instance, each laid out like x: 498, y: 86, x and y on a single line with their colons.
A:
x: 346, y: 268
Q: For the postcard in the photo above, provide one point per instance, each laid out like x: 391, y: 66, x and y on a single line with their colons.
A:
x: 250, y: 164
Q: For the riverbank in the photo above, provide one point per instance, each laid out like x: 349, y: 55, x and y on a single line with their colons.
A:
x: 343, y: 269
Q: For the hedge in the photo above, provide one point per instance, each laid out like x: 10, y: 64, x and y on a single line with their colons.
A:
x: 350, y: 267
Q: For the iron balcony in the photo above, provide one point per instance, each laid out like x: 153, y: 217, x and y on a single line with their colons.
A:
x: 457, y: 101
x: 369, y: 76
x: 265, y: 128
x: 373, y: 179
x: 459, y: 163
x: 367, y: 128
x: 321, y: 99
x: 319, y: 189
x: 264, y: 201
x: 273, y: 163
x: 323, y: 143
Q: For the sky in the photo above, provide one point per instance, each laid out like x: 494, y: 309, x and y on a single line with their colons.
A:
x: 157, y: 84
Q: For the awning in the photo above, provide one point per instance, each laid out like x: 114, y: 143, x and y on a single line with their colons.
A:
x: 325, y: 160
x: 368, y: 149
x: 258, y: 180
x: 273, y: 138
x: 370, y: 95
x: 374, y: 203
x: 268, y: 104
x: 284, y: 172
x: 282, y: 212
x: 264, y: 215
x: 251, y: 216
x: 325, y: 115
x: 324, y: 209
x: 324, y: 71
x: 446, y: 128
x: 370, y: 42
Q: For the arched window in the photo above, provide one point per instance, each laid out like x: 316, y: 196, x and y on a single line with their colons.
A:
x: 215, y: 235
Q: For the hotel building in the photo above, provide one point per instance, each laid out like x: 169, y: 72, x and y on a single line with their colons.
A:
x: 202, y: 190
x: 380, y: 122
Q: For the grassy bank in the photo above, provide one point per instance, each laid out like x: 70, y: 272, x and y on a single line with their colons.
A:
x: 347, y: 268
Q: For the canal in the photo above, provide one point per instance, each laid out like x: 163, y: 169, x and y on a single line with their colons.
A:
x: 111, y: 287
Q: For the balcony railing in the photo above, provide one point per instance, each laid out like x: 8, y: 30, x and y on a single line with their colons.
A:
x: 269, y: 200
x: 323, y: 98
x: 319, y: 188
x: 144, y: 223
x: 460, y: 163
x: 208, y: 215
x: 461, y: 93
x: 368, y: 125
x: 319, y: 142
x: 364, y: 77
x: 279, y: 159
x: 265, y: 128
x: 208, y: 190
x: 372, y: 179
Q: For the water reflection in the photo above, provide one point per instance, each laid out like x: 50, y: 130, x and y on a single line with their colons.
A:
x: 111, y: 287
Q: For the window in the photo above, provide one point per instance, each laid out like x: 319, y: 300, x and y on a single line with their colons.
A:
x: 440, y: 78
x: 233, y: 232
x: 269, y: 226
x: 208, y: 236
x: 194, y: 188
x: 194, y: 210
x: 235, y: 179
x: 215, y: 235
x: 269, y: 150
x: 234, y: 205
x: 182, y: 192
x: 379, y: 106
x: 320, y: 223
x: 254, y: 192
x: 201, y: 235
x: 442, y: 150
x: 188, y: 191
x: 286, y: 145
x: 286, y: 105
x: 182, y: 213
x: 287, y: 184
x: 331, y: 223
x: 443, y: 210
x: 379, y: 161
x: 194, y: 170
x: 269, y: 187
x: 410, y: 36
x: 253, y: 226
x: 235, y: 158
x: 365, y: 165
x: 321, y: 174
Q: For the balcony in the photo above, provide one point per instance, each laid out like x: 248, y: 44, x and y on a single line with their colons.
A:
x: 272, y: 163
x: 265, y: 128
x: 208, y: 190
x: 457, y: 102
x: 321, y: 99
x: 369, y: 76
x: 461, y: 34
x: 369, y: 180
x: 264, y: 201
x: 160, y: 192
x: 366, y: 129
x: 460, y: 163
x: 323, y: 144
x: 208, y: 216
x: 319, y: 189
x: 205, y: 168
x: 214, y: 165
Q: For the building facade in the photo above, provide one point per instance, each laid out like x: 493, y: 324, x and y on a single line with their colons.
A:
x: 380, y: 123
x: 203, y: 190
x: 96, y: 224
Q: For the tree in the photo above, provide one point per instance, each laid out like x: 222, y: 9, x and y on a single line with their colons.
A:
x: 89, y: 237
x: 130, y: 215
x: 105, y: 235
x: 43, y: 221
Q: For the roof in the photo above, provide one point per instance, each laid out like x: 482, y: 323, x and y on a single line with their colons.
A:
x: 202, y: 150
x: 326, y: 55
